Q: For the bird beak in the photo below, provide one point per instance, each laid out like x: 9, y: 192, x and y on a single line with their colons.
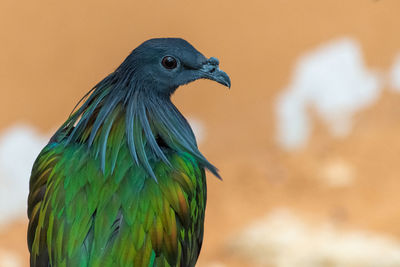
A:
x: 210, y: 70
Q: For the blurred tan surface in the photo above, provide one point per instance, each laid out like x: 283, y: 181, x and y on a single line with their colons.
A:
x: 51, y: 53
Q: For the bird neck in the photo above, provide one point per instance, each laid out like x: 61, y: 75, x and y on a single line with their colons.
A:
x: 152, y: 126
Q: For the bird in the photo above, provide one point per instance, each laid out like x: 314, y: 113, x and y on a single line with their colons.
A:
x: 122, y: 181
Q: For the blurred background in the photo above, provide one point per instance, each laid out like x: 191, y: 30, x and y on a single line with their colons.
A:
x: 307, y: 140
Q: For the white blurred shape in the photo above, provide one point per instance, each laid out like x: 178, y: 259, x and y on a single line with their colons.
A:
x: 19, y: 147
x: 334, y: 82
x: 337, y: 173
x: 395, y: 75
x: 198, y: 129
x: 284, y: 240
x: 9, y: 259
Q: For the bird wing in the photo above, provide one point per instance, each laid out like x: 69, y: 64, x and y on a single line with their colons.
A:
x: 82, y: 216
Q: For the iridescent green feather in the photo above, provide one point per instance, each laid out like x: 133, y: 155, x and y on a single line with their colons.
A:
x: 82, y: 216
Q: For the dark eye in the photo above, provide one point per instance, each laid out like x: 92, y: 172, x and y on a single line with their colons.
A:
x: 169, y: 62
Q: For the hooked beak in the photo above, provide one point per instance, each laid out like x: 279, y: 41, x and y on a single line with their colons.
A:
x: 211, y: 71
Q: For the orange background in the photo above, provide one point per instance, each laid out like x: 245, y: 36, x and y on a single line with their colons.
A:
x: 52, y: 52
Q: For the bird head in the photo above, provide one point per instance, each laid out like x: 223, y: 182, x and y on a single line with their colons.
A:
x: 139, y: 91
x: 164, y: 64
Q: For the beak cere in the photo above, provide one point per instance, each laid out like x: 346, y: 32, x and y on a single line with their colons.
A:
x: 211, y: 71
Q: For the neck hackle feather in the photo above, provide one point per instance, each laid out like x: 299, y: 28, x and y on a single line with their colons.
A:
x: 152, y: 122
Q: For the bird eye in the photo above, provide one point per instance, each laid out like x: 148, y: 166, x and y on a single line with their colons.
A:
x: 169, y: 62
